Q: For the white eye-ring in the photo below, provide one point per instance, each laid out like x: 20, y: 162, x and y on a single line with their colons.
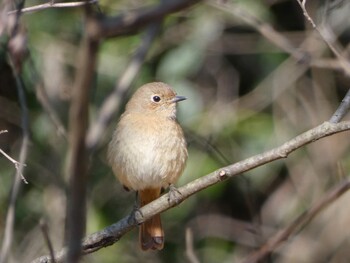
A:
x: 155, y: 98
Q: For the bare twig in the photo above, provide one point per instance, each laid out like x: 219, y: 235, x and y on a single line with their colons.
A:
x: 44, y: 229
x: 16, y: 164
x: 25, y: 127
x: 302, y: 4
x: 52, y: 4
x: 10, y: 216
x: 298, y: 223
x: 328, y: 36
x: 113, y: 233
x: 112, y: 102
x: 342, y: 109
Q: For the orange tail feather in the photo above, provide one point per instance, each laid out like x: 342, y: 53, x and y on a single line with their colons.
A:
x: 151, y: 231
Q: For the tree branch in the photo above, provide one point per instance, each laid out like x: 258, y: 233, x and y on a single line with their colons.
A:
x: 132, y: 21
x: 299, y: 222
x: 113, y: 233
x: 342, y: 109
x: 52, y: 4
x: 328, y: 37
x: 10, y: 216
x: 78, y: 156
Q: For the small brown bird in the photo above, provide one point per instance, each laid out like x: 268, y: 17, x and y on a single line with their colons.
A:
x: 148, y: 151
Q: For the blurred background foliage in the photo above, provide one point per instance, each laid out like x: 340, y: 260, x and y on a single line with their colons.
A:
x: 245, y: 96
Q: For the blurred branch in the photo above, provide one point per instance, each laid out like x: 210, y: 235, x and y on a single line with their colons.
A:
x: 78, y: 158
x: 132, y: 21
x: 298, y: 223
x: 113, y: 233
x: 44, y: 229
x: 10, y: 220
x: 52, y: 4
x: 192, y: 258
x: 263, y: 28
x: 112, y: 102
x: 285, y: 74
x: 328, y: 37
x: 10, y: 216
x: 342, y: 109
x: 281, y: 41
x: 45, y: 102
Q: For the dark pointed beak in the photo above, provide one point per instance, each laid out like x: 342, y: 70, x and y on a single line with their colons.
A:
x: 179, y: 98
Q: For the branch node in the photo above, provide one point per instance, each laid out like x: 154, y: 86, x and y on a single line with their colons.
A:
x: 283, y: 154
x: 223, y: 175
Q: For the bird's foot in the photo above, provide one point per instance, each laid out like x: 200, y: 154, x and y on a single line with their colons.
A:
x: 175, y: 195
x: 135, y: 215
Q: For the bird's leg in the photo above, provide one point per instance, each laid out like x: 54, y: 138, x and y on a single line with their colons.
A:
x: 136, y: 212
x: 174, y: 195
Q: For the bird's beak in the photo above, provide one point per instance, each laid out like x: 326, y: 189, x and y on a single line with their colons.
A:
x: 178, y: 98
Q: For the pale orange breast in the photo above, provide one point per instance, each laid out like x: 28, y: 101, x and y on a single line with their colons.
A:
x: 147, y: 151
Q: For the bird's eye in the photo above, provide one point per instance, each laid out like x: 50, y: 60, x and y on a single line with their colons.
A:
x: 156, y: 98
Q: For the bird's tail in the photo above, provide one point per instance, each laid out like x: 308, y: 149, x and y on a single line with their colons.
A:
x: 151, y: 231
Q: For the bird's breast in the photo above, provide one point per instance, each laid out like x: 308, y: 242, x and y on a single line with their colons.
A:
x: 149, y: 151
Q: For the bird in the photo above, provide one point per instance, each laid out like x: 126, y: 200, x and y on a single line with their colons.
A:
x: 148, y: 151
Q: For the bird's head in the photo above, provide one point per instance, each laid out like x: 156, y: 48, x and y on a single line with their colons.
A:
x: 154, y: 98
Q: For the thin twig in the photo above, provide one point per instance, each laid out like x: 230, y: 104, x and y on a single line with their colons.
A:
x: 25, y: 128
x: 53, y: 5
x: 10, y: 216
x: 298, y: 223
x: 16, y: 163
x: 112, y: 102
x: 45, y: 231
x: 113, y: 233
x: 342, y: 109
x: 328, y: 37
x: 302, y: 4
